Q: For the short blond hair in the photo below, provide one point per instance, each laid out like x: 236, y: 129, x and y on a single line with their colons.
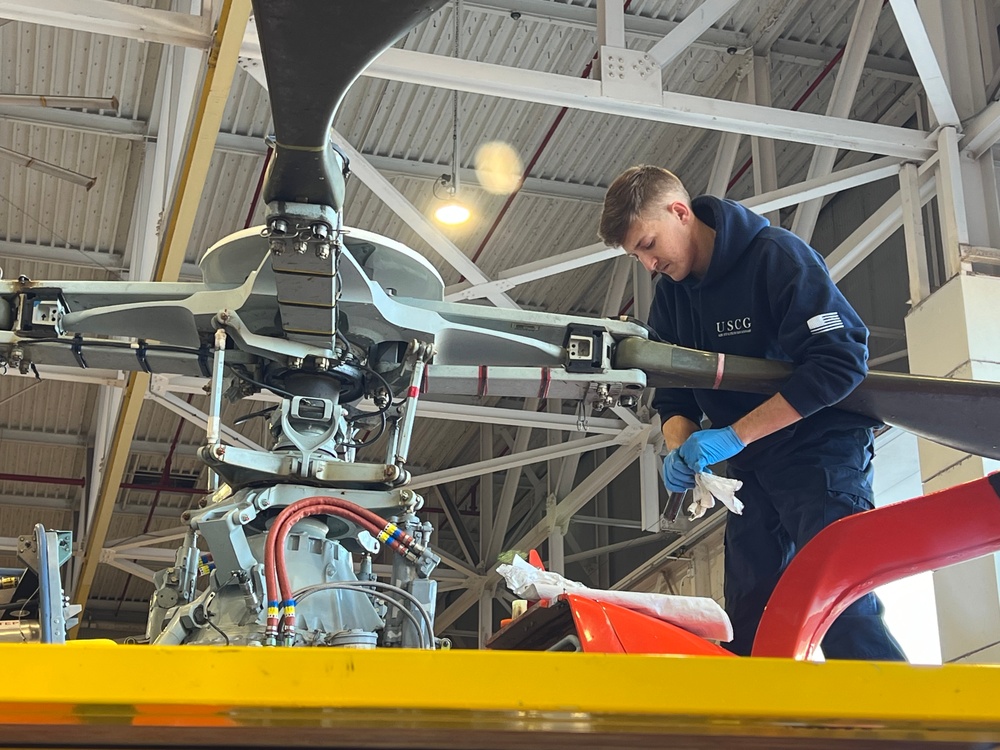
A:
x: 632, y: 192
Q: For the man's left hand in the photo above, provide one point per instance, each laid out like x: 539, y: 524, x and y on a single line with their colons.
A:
x: 707, y: 447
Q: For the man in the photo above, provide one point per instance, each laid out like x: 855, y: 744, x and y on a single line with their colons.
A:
x: 731, y: 283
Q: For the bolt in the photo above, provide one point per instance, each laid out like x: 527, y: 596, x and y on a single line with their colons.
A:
x: 277, y: 247
x: 186, y: 516
x: 389, y: 472
x: 300, y: 246
x: 323, y: 250
x: 295, y: 363
x: 219, y: 451
x: 322, y: 364
x: 244, y: 518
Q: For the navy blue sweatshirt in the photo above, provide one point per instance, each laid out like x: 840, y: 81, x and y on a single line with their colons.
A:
x: 766, y: 294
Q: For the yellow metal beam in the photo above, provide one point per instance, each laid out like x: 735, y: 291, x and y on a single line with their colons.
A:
x: 493, y: 698
x: 222, y: 62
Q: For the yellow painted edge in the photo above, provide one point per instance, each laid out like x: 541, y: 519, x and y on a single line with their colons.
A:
x: 841, y: 693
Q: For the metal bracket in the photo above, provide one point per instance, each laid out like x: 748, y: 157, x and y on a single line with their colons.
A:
x: 630, y: 75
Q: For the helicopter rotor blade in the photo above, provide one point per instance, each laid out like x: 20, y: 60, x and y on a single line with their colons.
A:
x: 961, y: 414
x: 311, y: 59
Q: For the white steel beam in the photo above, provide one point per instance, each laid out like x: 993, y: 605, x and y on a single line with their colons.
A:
x: 462, y: 535
x: 459, y: 607
x: 402, y: 207
x: 913, y: 233
x: 679, y: 109
x: 420, y: 224
x: 91, y: 376
x: 144, y: 24
x: 951, y: 201
x: 515, y: 417
x: 486, y: 453
x: 701, y: 112
x: 581, y: 494
x: 119, y: 127
x: 669, y: 553
x: 531, y: 185
x: 199, y: 418
x: 647, y: 28
x: 642, y: 291
x: 539, y: 269
x: 875, y: 230
x: 132, y: 568
x: 508, y: 492
x: 649, y: 489
x: 454, y: 563
x: 116, y: 19
x: 485, y: 617
x: 556, y: 539
x: 109, y: 401
x: 924, y: 58
x: 688, y: 31
x: 73, y: 256
x: 845, y: 88
x: 817, y: 187
x: 503, y: 463
x: 729, y: 144
x: 982, y: 132
x: 610, y: 23
x: 765, y: 167
x: 620, y: 276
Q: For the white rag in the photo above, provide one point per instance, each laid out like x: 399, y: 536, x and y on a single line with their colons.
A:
x: 708, y: 488
x: 697, y: 614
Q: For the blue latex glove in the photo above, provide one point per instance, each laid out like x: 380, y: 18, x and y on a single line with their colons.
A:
x: 707, y: 447
x: 677, y: 476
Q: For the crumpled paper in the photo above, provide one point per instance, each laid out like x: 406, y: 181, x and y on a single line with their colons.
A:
x: 708, y: 488
x: 697, y: 614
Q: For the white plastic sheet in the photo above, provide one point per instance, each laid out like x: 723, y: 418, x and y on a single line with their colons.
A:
x: 697, y: 614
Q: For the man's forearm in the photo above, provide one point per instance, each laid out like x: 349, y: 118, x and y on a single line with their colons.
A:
x: 769, y: 417
x: 676, y: 430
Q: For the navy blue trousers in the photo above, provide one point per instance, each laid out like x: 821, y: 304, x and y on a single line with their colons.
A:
x: 786, y: 503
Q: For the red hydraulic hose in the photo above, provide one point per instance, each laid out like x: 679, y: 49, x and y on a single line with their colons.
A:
x: 279, y: 589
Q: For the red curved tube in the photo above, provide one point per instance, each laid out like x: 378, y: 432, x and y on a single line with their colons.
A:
x: 851, y: 557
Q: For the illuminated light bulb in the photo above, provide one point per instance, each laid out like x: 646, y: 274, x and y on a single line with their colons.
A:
x: 452, y: 212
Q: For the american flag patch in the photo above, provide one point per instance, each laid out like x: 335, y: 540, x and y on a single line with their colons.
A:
x: 824, y: 322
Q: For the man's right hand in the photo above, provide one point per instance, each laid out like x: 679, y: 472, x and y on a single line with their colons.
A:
x: 677, y: 475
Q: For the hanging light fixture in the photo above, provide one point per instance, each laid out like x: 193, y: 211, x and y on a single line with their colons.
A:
x: 452, y: 211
